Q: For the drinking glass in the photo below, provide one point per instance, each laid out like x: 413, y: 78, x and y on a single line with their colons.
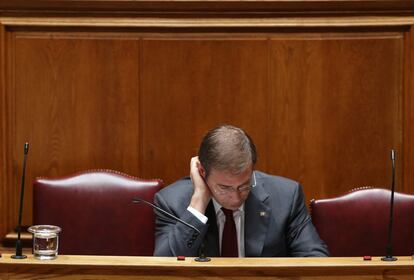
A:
x: 45, y: 241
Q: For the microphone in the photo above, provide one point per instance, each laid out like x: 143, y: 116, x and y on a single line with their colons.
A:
x: 19, y: 249
x: 388, y: 251
x: 201, y: 257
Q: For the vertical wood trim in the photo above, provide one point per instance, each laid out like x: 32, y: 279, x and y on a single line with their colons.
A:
x: 408, y: 107
x: 140, y: 117
x: 3, y: 135
x: 8, y: 204
x: 269, y: 90
x: 399, y: 126
x: 10, y: 133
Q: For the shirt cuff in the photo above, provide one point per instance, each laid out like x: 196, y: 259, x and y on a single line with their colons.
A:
x: 198, y: 215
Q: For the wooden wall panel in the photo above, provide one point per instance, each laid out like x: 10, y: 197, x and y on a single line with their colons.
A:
x: 336, y: 110
x: 191, y: 85
x: 76, y: 101
x: 324, y: 105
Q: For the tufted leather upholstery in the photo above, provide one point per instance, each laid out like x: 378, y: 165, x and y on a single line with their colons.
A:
x: 95, y: 211
x: 356, y: 224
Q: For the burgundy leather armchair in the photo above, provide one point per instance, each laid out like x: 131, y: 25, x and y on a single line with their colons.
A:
x: 96, y: 213
x: 356, y: 224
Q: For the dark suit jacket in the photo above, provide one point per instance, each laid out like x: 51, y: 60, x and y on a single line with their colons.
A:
x: 277, y: 223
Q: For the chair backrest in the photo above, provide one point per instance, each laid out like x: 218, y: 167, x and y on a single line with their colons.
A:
x: 96, y: 213
x: 356, y: 224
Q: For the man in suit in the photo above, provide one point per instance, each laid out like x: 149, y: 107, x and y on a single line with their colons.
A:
x: 238, y: 211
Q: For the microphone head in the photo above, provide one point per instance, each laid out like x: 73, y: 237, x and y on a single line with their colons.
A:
x: 392, y: 154
x: 26, y: 148
x: 136, y: 200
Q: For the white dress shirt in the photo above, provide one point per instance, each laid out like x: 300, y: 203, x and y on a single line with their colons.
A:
x: 221, y: 219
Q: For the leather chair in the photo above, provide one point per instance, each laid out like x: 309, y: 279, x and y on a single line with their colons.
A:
x: 356, y: 224
x: 96, y: 213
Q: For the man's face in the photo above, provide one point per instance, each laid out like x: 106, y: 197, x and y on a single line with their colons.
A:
x: 228, y: 189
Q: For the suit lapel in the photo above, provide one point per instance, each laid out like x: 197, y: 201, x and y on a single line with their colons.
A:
x: 257, y: 214
x: 211, y: 240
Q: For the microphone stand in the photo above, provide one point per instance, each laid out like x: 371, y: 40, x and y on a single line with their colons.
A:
x: 19, y: 249
x: 201, y: 257
x: 388, y: 254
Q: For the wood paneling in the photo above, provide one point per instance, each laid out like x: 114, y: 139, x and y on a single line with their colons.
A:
x: 207, y: 23
x: 191, y: 85
x: 325, y: 122
x: 324, y: 98
x: 4, y: 192
x: 408, y: 105
x: 75, y: 100
x: 335, y: 110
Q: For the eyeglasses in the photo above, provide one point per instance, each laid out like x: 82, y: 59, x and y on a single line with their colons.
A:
x: 243, y: 188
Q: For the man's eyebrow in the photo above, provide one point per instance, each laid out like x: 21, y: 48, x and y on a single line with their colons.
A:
x: 221, y: 185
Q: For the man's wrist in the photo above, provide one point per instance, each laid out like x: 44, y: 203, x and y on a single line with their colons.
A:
x: 198, y: 215
x: 199, y: 203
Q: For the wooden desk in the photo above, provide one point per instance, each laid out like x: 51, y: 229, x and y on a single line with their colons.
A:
x: 109, y: 267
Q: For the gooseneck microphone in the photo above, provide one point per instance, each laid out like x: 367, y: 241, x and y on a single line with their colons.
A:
x: 201, y: 257
x: 19, y: 249
x: 388, y: 251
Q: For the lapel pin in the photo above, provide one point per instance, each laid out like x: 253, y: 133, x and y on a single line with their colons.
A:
x: 262, y: 214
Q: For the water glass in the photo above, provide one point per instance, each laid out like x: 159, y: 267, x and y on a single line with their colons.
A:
x: 45, y: 241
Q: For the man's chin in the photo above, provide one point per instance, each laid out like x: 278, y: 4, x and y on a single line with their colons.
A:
x: 232, y: 207
x: 226, y: 205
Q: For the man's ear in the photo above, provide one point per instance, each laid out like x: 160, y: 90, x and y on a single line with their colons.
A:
x: 202, y: 170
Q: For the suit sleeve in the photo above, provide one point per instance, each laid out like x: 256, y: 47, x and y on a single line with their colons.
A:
x: 174, y: 238
x: 303, y: 239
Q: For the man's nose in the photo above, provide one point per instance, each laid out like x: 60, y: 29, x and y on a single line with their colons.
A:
x: 237, y: 195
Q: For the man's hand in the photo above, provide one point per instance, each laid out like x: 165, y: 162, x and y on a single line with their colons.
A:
x: 201, y: 195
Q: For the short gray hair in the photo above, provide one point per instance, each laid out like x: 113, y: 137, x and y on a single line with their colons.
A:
x: 227, y: 148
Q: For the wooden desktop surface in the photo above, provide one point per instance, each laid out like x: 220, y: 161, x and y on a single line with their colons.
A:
x: 114, y: 267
